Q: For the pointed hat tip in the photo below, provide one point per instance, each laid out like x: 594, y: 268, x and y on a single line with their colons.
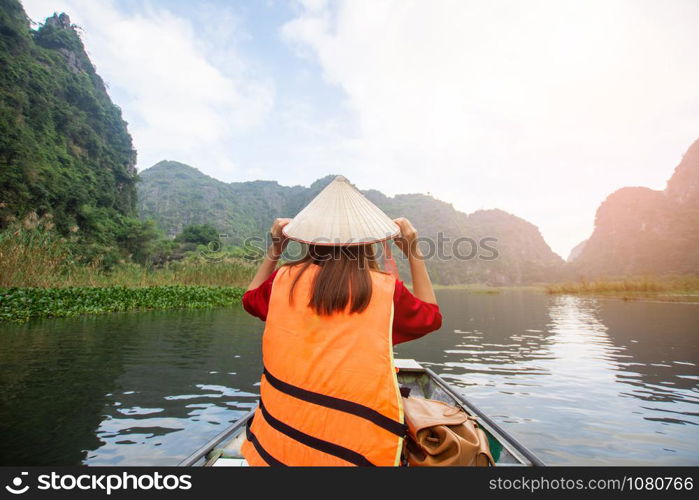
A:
x: 340, y: 215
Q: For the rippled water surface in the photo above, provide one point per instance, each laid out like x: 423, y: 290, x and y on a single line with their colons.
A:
x: 577, y: 380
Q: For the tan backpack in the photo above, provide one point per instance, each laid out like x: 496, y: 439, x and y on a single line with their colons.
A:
x: 443, y: 435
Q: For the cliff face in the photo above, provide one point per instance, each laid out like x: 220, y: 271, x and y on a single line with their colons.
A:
x: 64, y: 147
x: 642, y: 231
x: 683, y: 187
x: 576, y: 251
x: 495, y: 247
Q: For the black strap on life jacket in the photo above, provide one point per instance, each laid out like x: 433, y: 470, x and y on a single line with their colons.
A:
x: 333, y: 449
x: 397, y: 428
x: 269, y: 459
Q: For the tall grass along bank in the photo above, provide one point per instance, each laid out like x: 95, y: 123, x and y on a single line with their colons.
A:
x: 40, y: 277
x: 668, y: 288
x: 33, y: 254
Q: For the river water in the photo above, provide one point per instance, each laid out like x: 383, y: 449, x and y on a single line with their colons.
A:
x: 580, y: 381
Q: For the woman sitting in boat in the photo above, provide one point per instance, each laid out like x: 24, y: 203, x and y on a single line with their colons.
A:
x: 329, y: 393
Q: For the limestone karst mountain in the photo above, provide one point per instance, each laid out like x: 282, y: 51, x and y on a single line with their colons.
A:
x: 643, y: 231
x: 175, y: 195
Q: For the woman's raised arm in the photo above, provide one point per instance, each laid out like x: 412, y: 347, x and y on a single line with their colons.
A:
x: 272, y: 255
x: 407, y: 242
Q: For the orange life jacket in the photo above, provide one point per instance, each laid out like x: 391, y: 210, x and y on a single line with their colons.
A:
x: 329, y: 393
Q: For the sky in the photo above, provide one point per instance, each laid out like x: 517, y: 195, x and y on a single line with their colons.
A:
x: 539, y: 108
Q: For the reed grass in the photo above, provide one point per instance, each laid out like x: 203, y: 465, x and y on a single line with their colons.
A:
x: 41, y: 277
x: 671, y: 288
x: 33, y: 255
x: 476, y: 288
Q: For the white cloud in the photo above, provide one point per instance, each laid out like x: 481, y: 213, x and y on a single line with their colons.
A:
x: 540, y: 108
x: 185, y: 94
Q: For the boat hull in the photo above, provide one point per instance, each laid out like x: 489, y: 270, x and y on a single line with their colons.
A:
x: 224, y: 449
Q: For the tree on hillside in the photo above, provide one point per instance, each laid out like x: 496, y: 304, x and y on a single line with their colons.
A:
x: 201, y: 234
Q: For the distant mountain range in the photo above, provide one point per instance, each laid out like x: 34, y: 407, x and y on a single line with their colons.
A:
x: 175, y: 195
x: 65, y: 151
x: 642, y: 231
x: 637, y: 230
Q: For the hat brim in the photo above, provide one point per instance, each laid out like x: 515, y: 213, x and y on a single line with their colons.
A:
x: 351, y: 244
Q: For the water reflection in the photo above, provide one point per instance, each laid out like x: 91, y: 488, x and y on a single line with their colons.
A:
x: 138, y: 388
x: 572, y: 377
x: 578, y: 380
x: 203, y: 376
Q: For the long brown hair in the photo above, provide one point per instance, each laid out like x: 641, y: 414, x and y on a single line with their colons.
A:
x: 343, y: 278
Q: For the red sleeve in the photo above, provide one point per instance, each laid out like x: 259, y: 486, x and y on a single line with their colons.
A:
x: 256, y: 301
x: 412, y: 317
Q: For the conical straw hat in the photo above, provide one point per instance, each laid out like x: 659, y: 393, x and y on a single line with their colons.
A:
x: 341, y: 215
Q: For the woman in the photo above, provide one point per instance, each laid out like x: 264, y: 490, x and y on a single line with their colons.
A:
x: 329, y: 393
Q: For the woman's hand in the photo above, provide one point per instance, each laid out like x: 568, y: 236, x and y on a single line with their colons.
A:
x: 407, y: 240
x: 279, y: 241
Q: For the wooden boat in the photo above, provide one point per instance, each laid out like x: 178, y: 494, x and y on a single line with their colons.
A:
x: 224, y: 449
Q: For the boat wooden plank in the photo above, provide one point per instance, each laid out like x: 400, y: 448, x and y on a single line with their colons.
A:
x: 230, y: 462
x: 408, y: 365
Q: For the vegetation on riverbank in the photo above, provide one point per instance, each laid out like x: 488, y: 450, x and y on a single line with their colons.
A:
x: 33, y: 254
x: 472, y: 288
x: 486, y: 289
x: 673, y: 288
x: 22, y: 304
x: 41, y: 276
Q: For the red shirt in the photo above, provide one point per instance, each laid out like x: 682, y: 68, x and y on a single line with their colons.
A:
x: 412, y: 317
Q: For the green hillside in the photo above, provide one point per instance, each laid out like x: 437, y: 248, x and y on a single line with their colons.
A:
x: 65, y: 152
x: 176, y: 195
